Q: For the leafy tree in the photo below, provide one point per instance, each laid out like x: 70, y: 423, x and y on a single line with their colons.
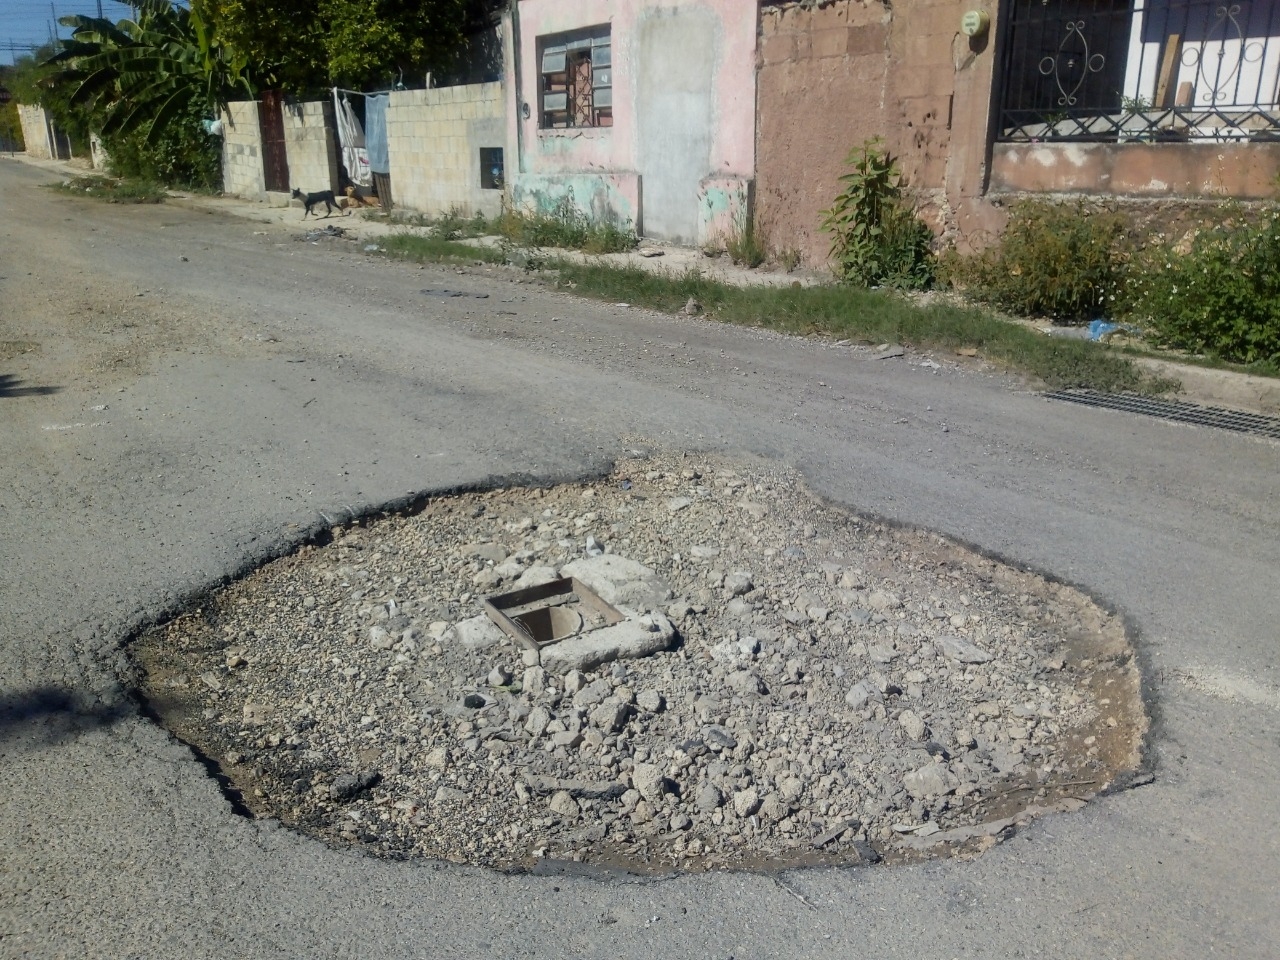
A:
x: 305, y: 45
x: 10, y: 127
x: 149, y: 72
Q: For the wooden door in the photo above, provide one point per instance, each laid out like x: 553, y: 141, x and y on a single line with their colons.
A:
x: 275, y: 162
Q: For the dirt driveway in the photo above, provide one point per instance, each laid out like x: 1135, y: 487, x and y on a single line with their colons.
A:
x: 183, y: 395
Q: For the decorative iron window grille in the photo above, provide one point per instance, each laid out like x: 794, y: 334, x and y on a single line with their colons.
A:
x: 1141, y: 70
x: 577, y: 79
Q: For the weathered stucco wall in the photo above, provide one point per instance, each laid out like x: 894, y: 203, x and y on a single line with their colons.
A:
x: 35, y: 130
x: 834, y: 76
x: 310, y: 146
x: 434, y: 138
x: 242, y: 174
x: 1244, y: 170
x: 683, y: 112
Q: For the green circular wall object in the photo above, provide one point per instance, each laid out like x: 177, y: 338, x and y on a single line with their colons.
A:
x: 975, y: 23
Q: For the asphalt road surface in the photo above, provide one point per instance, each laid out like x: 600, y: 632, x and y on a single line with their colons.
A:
x: 183, y: 394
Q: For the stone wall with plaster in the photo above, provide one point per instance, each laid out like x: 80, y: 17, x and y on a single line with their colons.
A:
x: 434, y: 139
x: 835, y: 75
x: 1245, y: 171
x: 35, y: 130
x: 681, y: 148
x: 310, y: 145
x: 242, y: 174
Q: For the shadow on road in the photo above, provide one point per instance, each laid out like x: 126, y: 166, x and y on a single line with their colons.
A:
x: 11, y: 386
x: 47, y: 716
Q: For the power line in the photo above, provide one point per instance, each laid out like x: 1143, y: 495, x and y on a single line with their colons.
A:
x: 25, y: 25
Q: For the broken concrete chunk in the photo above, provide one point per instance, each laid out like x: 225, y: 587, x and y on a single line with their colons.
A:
x: 913, y: 725
x: 609, y: 569
x: 860, y: 693
x: 494, y: 553
x: 581, y: 789
x: 476, y: 633
x: 535, y: 576
x: 628, y: 640
x: 611, y: 716
x: 746, y: 683
x: 620, y: 581
x: 960, y: 650
x: 835, y: 833
x: 732, y: 651
x: 883, y: 600
x: 647, y: 778
x: 931, y: 780
x: 563, y: 804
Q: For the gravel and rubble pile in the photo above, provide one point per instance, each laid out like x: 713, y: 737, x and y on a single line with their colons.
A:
x: 825, y: 688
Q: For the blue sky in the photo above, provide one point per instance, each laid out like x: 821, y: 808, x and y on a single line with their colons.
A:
x: 26, y: 22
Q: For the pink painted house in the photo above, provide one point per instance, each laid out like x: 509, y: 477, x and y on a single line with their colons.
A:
x: 636, y: 111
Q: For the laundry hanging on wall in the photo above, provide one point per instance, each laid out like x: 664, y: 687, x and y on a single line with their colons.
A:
x: 355, y: 156
x: 375, y: 126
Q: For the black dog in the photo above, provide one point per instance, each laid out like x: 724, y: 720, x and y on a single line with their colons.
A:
x: 310, y: 200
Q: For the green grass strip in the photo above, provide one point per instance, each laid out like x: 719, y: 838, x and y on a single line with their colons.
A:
x: 840, y: 312
x: 113, y: 191
x: 428, y: 249
x: 873, y: 316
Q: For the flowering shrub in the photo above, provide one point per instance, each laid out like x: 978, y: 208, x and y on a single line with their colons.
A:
x: 1221, y: 299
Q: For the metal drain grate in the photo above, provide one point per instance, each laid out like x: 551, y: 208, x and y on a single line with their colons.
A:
x: 1176, y: 410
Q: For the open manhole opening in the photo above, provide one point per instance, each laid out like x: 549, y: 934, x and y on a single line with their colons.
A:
x: 546, y: 625
x: 688, y: 664
x: 538, y: 616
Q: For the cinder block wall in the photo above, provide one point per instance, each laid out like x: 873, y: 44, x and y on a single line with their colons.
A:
x: 434, y: 139
x: 309, y: 145
x: 35, y: 131
x: 242, y: 151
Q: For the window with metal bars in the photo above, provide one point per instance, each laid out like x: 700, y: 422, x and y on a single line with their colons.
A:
x: 576, y: 79
x: 1141, y: 70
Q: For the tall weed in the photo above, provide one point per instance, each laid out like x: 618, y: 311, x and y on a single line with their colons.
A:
x: 564, y: 225
x: 745, y: 245
x: 876, y: 237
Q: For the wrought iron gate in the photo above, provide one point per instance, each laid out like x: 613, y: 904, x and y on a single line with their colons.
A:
x: 1098, y: 70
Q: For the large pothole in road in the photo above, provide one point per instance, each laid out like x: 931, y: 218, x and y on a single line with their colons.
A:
x: 785, y: 683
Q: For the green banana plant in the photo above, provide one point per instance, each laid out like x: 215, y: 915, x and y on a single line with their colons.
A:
x: 144, y: 73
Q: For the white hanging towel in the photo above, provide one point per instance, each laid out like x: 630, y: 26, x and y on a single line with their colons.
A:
x: 354, y: 155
